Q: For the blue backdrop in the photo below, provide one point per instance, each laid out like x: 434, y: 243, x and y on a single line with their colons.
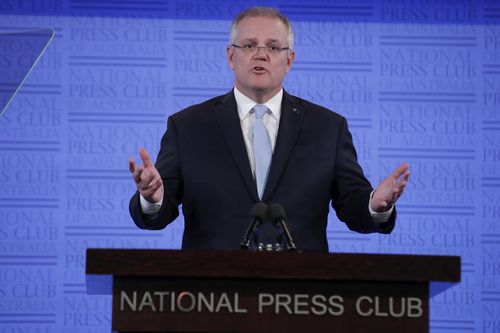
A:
x: 419, y: 81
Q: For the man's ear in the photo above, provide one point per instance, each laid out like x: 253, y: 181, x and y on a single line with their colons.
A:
x: 230, y: 57
x: 289, y: 61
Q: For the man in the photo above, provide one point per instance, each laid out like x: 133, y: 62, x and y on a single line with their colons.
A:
x: 258, y: 143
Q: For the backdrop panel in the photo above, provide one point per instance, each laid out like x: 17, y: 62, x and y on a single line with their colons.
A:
x: 419, y: 81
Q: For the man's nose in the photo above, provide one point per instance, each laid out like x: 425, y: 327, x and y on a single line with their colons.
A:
x: 260, y: 53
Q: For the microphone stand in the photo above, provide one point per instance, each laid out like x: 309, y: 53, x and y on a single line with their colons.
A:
x: 259, y: 214
x: 277, y: 215
x: 289, y: 241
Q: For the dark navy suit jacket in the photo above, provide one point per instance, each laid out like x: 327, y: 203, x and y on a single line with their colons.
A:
x: 204, y: 166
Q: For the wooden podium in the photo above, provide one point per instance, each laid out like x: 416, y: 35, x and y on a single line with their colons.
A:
x: 237, y: 291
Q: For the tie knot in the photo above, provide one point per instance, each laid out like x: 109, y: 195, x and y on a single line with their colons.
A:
x: 260, y: 110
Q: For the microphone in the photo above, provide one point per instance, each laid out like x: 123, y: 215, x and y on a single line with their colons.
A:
x: 277, y: 217
x: 259, y: 215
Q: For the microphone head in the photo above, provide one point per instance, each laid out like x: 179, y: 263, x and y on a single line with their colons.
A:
x: 259, y: 211
x: 276, y: 213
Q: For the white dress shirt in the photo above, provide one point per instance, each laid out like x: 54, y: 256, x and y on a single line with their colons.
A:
x: 271, y: 121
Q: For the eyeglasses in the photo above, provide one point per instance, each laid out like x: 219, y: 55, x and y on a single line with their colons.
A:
x: 252, y: 48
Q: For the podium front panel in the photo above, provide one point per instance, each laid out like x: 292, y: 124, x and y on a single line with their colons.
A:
x: 260, y: 305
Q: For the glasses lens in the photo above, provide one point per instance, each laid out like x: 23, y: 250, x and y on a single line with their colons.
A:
x: 251, y: 48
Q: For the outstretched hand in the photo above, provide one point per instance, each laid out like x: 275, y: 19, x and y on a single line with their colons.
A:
x: 147, y: 179
x: 390, y: 189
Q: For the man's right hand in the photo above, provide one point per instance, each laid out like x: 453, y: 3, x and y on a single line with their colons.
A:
x: 147, y: 179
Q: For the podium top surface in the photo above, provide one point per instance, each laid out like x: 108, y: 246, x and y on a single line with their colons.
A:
x: 272, y: 265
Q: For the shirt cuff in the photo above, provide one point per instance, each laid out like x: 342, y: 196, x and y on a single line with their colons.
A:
x: 149, y: 208
x: 379, y: 217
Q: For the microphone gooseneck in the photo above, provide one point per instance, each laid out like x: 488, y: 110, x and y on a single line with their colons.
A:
x: 277, y: 217
x: 258, y: 215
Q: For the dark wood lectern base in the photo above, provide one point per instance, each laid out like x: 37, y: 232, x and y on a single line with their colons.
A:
x: 242, y: 292
x: 175, y: 305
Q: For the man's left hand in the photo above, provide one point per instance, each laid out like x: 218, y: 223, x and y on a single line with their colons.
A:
x: 390, y: 189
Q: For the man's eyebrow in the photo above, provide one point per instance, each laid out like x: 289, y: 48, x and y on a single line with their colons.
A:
x: 254, y: 40
x: 249, y: 40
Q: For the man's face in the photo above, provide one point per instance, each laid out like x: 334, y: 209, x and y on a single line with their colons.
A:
x: 258, y: 74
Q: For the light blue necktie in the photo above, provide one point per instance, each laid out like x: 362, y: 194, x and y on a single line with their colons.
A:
x: 261, y: 148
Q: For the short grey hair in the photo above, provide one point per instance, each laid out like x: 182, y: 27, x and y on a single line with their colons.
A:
x: 261, y: 12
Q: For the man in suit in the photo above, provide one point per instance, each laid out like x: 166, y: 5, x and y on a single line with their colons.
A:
x: 258, y: 143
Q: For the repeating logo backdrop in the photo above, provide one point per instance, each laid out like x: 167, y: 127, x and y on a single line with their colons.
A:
x: 419, y: 81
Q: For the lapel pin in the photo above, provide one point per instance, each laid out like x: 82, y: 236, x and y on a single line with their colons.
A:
x: 295, y: 110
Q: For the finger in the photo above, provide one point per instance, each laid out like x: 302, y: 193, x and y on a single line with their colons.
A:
x: 156, y: 180
x: 149, y: 189
x: 404, y: 180
x: 400, y: 170
x: 138, y: 174
x: 131, y: 165
x: 145, y: 158
x: 401, y: 183
x: 398, y: 194
x: 400, y: 189
x: 147, y: 177
x: 406, y: 176
x: 150, y: 175
x: 154, y: 187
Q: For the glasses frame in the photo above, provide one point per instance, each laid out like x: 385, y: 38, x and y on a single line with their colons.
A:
x: 256, y: 50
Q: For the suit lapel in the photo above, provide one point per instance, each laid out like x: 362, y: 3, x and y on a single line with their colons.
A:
x: 292, y: 115
x: 229, y: 122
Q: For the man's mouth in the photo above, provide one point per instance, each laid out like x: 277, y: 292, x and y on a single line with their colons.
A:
x: 258, y: 69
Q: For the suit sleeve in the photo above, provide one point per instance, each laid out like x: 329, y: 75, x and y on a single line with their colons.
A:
x: 351, y: 190
x: 168, y: 165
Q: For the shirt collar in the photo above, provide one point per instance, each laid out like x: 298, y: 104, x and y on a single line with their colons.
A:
x: 245, y: 104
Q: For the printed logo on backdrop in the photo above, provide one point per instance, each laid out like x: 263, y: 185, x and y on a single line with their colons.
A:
x: 200, y: 68
x: 428, y: 97
x: 490, y: 171
x: 117, y: 102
